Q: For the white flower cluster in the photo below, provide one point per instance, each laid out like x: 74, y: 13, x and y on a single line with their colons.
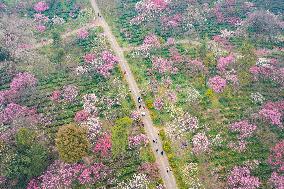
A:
x: 94, y: 128
x: 190, y: 173
x: 181, y: 125
x: 56, y: 20
x: 192, y: 95
x: 138, y: 181
x: 90, y: 101
x: 257, y: 98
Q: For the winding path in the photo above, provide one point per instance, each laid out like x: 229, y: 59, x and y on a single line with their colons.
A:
x: 161, y: 160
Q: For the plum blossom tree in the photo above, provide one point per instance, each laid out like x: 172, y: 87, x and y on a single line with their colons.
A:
x: 41, y: 6
x: 276, y: 180
x: 22, y: 81
x: 103, y: 145
x: 224, y: 62
x: 217, y: 83
x: 69, y: 93
x: 158, y: 104
x: 262, y: 24
x: 244, y: 129
x: 200, y: 143
x: 81, y: 116
x: 241, y: 178
x: 276, y: 157
x: 273, y: 112
x: 138, y: 140
x: 82, y: 34
x: 162, y: 65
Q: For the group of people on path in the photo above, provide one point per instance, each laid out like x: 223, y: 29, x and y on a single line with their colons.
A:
x: 155, y: 141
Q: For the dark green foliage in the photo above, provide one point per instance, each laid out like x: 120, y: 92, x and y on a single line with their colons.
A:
x: 30, y: 160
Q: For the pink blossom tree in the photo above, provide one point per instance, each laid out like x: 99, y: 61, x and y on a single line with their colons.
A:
x: 81, y: 116
x: 241, y: 178
x: 276, y: 181
x: 200, y: 143
x: 276, y: 157
x: 41, y: 6
x: 217, y: 83
x: 103, y: 145
x: 158, y: 104
x: 82, y: 34
x: 243, y: 128
x: 224, y: 62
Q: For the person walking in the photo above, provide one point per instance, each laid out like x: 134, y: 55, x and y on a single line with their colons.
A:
x: 162, y: 152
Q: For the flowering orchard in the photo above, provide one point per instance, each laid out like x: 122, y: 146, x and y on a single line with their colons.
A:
x: 212, y: 78
x: 60, y: 102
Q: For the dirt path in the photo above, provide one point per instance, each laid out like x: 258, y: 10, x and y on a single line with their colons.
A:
x: 161, y: 160
x: 182, y: 41
x: 68, y: 34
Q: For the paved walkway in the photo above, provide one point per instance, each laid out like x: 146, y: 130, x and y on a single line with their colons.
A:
x: 162, y: 161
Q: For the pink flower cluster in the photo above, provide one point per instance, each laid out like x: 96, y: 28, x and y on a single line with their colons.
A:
x: 200, y: 143
x: 244, y: 129
x: 158, y: 104
x: 56, y: 96
x: 13, y: 111
x: 160, y: 4
x: 69, y: 93
x: 224, y: 62
x: 196, y: 66
x: 217, y: 83
x: 175, y: 56
x: 41, y: 18
x: 81, y: 116
x: 276, y: 157
x: 109, y: 61
x: 276, y: 181
x: 240, y: 178
x: 189, y: 122
x: 103, y: 145
x: 41, y: 6
x: 41, y: 28
x: 92, y: 174
x: 273, y: 112
x: 163, y: 65
x: 89, y: 58
x: 138, y: 140
x: 223, y: 42
x: 82, y: 34
x: 171, y: 21
x: 151, y: 40
x: 22, y: 81
x: 62, y: 175
x: 135, y: 115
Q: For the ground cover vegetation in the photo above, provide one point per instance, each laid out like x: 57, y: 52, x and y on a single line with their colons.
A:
x: 211, y: 73
x: 66, y: 115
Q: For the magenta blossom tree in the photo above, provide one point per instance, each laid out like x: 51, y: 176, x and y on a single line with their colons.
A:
x: 276, y: 157
x: 103, y: 145
x: 41, y: 6
x: 241, y: 178
x: 200, y: 143
x: 22, y: 81
x: 81, y: 116
x: 82, y: 34
x: 217, y: 83
x: 276, y: 181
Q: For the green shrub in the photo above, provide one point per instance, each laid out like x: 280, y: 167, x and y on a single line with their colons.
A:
x: 30, y: 160
x: 72, y: 143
